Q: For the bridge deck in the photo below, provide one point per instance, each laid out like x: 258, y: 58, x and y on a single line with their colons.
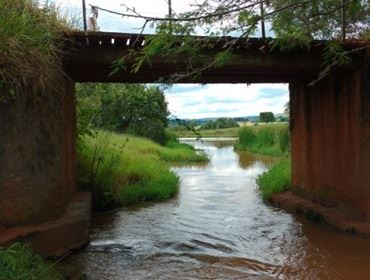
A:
x: 94, y: 52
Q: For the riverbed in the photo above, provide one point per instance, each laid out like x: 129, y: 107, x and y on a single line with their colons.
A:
x: 218, y: 228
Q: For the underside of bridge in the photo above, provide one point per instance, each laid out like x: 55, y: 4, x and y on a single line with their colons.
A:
x: 330, y: 129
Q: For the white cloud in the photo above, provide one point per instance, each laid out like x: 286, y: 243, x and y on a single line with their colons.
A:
x: 226, y: 100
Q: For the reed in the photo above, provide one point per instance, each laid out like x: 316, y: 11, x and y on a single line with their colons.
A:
x: 273, y: 139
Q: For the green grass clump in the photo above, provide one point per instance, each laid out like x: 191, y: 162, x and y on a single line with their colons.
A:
x: 18, y: 262
x: 122, y: 170
x: 31, y: 44
x: 273, y: 139
x: 277, y: 179
x: 180, y: 152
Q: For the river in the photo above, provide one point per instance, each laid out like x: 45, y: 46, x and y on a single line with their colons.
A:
x: 218, y: 228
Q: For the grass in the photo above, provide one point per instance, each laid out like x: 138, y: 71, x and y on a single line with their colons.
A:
x: 18, y: 262
x: 179, y: 152
x: 277, y: 179
x: 31, y: 45
x: 273, y: 139
x: 122, y: 170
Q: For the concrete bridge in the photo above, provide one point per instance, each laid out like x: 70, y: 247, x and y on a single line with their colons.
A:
x: 330, y: 129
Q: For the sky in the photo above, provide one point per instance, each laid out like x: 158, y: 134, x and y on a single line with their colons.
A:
x: 189, y: 100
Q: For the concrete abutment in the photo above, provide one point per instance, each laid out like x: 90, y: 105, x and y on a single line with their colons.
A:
x: 38, y: 169
x: 330, y: 130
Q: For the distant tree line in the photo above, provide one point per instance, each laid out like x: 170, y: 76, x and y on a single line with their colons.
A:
x: 220, y: 123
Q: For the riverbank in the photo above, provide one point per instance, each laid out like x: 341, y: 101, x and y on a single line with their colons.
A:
x: 122, y: 170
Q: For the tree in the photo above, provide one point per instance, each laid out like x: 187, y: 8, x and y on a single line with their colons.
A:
x: 293, y: 23
x: 135, y: 108
x: 267, y: 117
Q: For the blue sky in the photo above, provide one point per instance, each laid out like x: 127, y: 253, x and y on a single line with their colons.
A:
x: 190, y: 100
x: 226, y: 100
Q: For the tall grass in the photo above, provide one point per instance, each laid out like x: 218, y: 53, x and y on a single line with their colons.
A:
x: 271, y: 139
x: 31, y: 44
x: 277, y: 179
x: 18, y: 262
x: 122, y: 170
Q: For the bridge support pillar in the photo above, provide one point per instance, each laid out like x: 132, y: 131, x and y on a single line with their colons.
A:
x: 330, y: 129
x: 38, y: 166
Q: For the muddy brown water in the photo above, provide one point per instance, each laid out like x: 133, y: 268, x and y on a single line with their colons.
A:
x: 218, y: 228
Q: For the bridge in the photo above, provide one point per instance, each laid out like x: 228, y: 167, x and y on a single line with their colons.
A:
x: 254, y: 61
x: 330, y: 131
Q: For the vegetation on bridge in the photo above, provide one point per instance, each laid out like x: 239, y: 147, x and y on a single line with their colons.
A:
x: 294, y: 24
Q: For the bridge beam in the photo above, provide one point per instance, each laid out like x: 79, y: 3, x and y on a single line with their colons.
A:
x: 254, y: 62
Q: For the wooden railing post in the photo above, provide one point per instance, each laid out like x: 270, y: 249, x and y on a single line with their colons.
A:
x: 262, y: 12
x: 84, y: 14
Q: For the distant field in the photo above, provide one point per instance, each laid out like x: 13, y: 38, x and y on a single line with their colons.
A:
x: 225, y: 132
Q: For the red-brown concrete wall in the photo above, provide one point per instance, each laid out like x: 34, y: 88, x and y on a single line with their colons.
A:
x: 37, y: 156
x: 330, y: 128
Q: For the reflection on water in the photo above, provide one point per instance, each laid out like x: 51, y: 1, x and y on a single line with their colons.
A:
x: 218, y: 228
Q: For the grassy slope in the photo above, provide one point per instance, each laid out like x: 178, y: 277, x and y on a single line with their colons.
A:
x: 276, y: 179
x: 122, y: 170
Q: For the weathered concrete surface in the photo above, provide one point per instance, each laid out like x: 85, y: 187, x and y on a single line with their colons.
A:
x: 327, y: 216
x: 57, y: 237
x: 37, y: 155
x: 330, y: 129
